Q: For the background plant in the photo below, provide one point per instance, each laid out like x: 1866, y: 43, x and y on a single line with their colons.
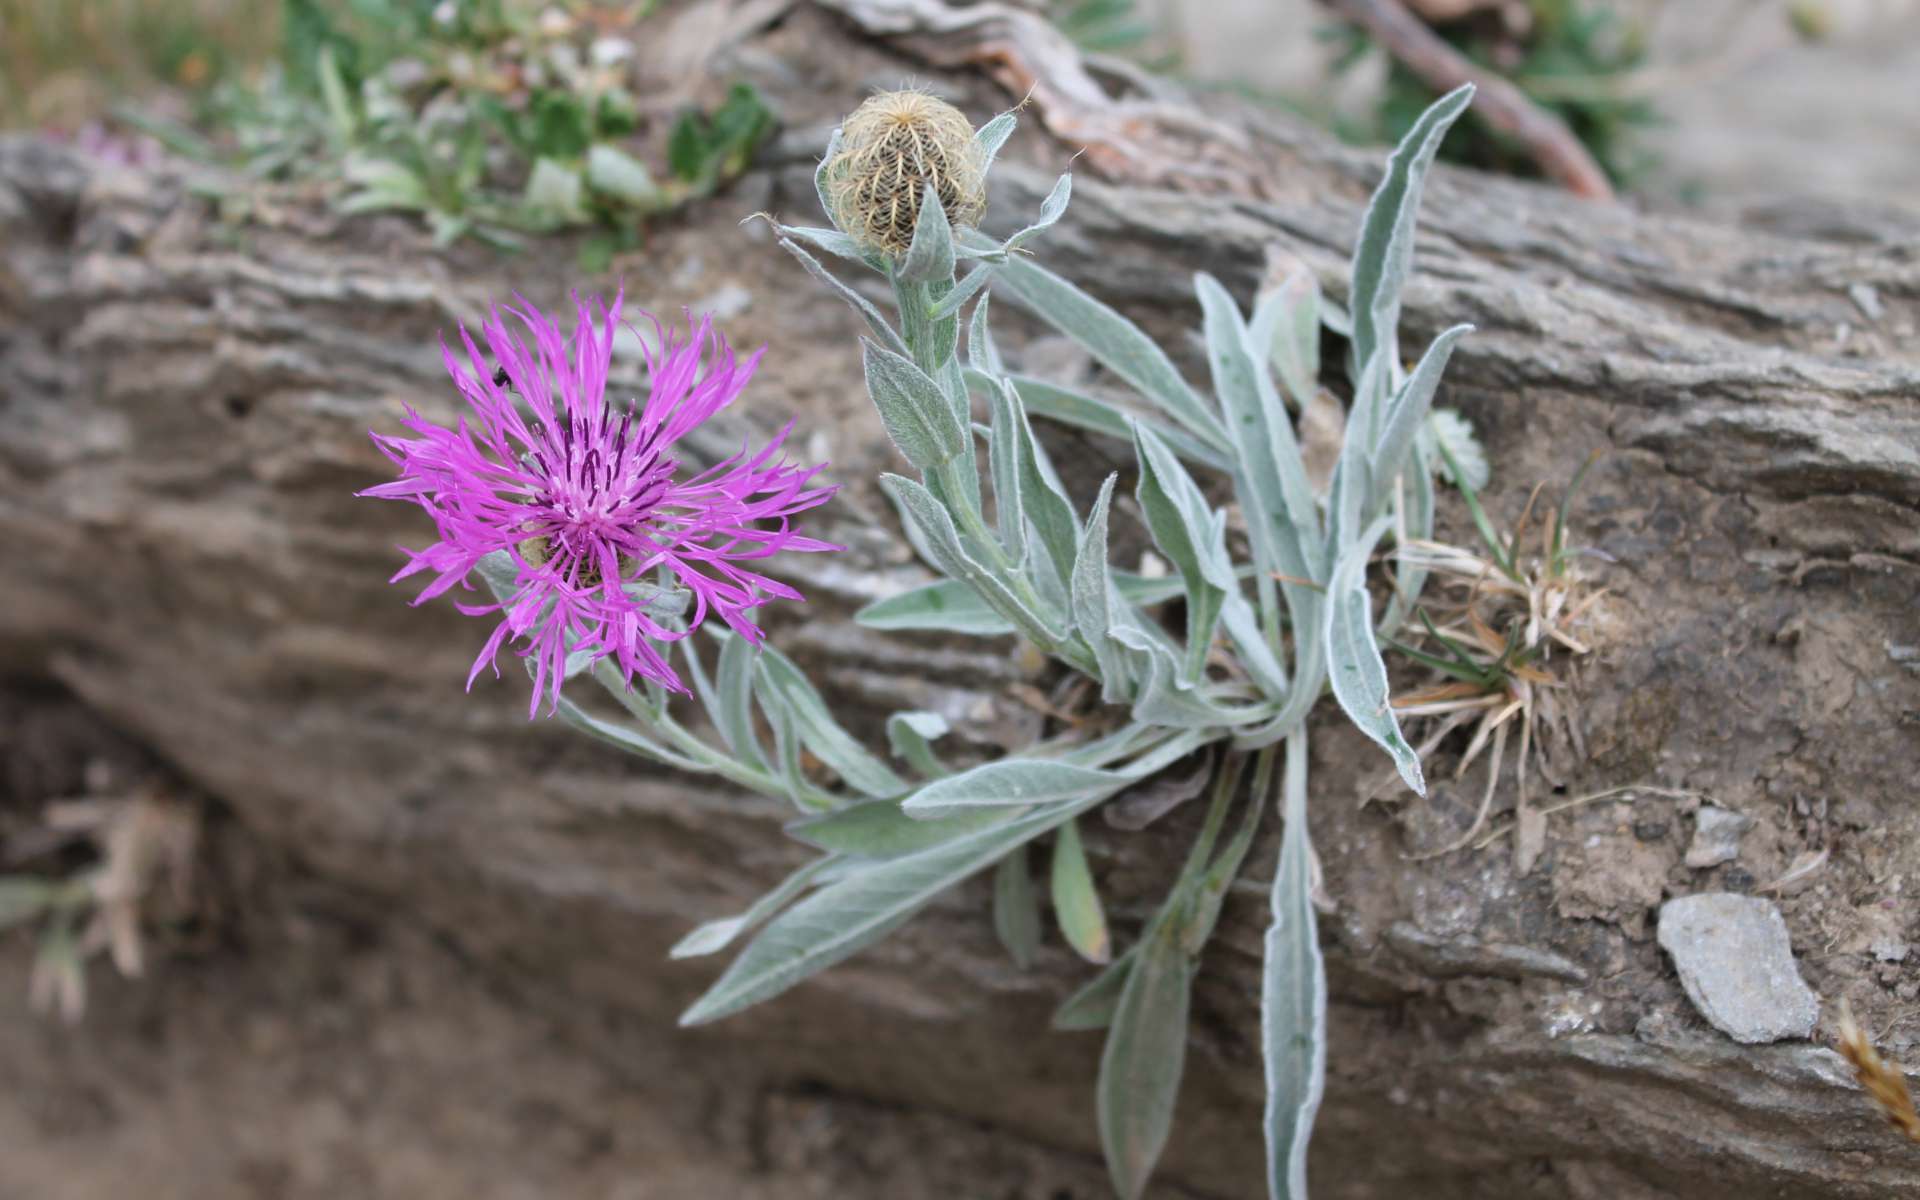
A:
x: 1240, y: 670
x: 486, y: 117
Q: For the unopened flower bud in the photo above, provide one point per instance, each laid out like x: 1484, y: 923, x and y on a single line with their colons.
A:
x: 891, y: 148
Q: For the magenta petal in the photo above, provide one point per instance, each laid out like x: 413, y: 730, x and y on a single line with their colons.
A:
x: 550, y: 462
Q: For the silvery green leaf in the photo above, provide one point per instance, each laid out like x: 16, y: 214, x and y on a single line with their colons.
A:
x: 1004, y: 453
x: 1076, y: 902
x: 1012, y: 782
x: 1051, y: 210
x: 1353, y: 658
x: 917, y: 416
x: 1256, y: 653
x: 1408, y: 410
x: 715, y: 936
x: 1384, y: 252
x: 1164, y: 699
x: 993, y: 135
x: 631, y: 740
x: 1185, y: 530
x: 1116, y: 343
x: 1047, y: 504
x: 821, y: 733
x: 1293, y: 996
x: 940, y: 541
x: 616, y: 173
x: 1092, y: 1007
x: 1276, y: 497
x: 1092, y: 600
x: 1286, y: 328
x: 23, y: 898
x: 1087, y: 412
x: 983, y: 357
x: 878, y: 829
x: 1450, y: 429
x: 702, y: 686
x: 1145, y: 1055
x: 845, y: 917
x: 820, y: 185
x: 909, y: 736
x: 1016, y: 908
x: 951, y: 304
x: 930, y: 255
x: 733, y: 711
x: 830, y: 240
x: 948, y: 605
x: 1413, y: 521
x: 875, y: 322
x: 786, y: 752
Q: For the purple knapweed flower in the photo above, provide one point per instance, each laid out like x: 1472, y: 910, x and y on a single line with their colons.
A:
x: 583, y: 493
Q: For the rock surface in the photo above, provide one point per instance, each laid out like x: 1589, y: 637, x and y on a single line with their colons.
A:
x: 1736, y: 964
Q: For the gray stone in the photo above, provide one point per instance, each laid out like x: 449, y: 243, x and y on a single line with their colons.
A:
x: 1737, y: 967
x: 1716, y: 836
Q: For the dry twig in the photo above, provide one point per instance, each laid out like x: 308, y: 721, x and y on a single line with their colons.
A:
x: 1504, y: 106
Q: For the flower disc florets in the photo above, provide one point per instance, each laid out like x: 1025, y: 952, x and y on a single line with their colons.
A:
x: 891, y: 148
x: 585, y: 497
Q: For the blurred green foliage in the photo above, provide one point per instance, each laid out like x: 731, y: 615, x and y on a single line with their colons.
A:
x: 491, y: 118
x: 1570, y: 57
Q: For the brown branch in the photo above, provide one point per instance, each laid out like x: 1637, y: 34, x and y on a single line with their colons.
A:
x: 1504, y: 106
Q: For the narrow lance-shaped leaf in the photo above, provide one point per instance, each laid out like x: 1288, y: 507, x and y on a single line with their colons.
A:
x: 1293, y: 995
x: 1286, y: 328
x: 929, y: 256
x: 931, y: 527
x: 1115, y: 342
x: 909, y: 735
x: 1051, y: 210
x: 1092, y: 1007
x: 983, y: 357
x: 1407, y: 412
x: 878, y: 829
x: 1013, y: 782
x: 850, y: 914
x: 1043, y: 399
x: 822, y: 734
x: 1353, y: 657
x: 1384, y: 253
x: 1016, y: 908
x: 1144, y: 1058
x: 715, y: 936
x: 1003, y: 468
x: 993, y: 135
x: 1046, y: 500
x: 1092, y: 594
x: 917, y: 416
x: 875, y: 322
x: 1185, y: 531
x: 734, y: 695
x: 820, y: 185
x: 1076, y: 902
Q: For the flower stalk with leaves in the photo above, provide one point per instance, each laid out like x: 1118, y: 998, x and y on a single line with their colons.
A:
x: 904, y: 183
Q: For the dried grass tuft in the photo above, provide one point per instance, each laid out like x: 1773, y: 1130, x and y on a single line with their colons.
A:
x: 1884, y: 1081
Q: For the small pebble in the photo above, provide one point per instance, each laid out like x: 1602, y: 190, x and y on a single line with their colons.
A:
x: 1736, y: 964
x: 1716, y: 836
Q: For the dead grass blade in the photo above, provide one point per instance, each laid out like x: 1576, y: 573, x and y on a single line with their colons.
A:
x: 1885, y: 1082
